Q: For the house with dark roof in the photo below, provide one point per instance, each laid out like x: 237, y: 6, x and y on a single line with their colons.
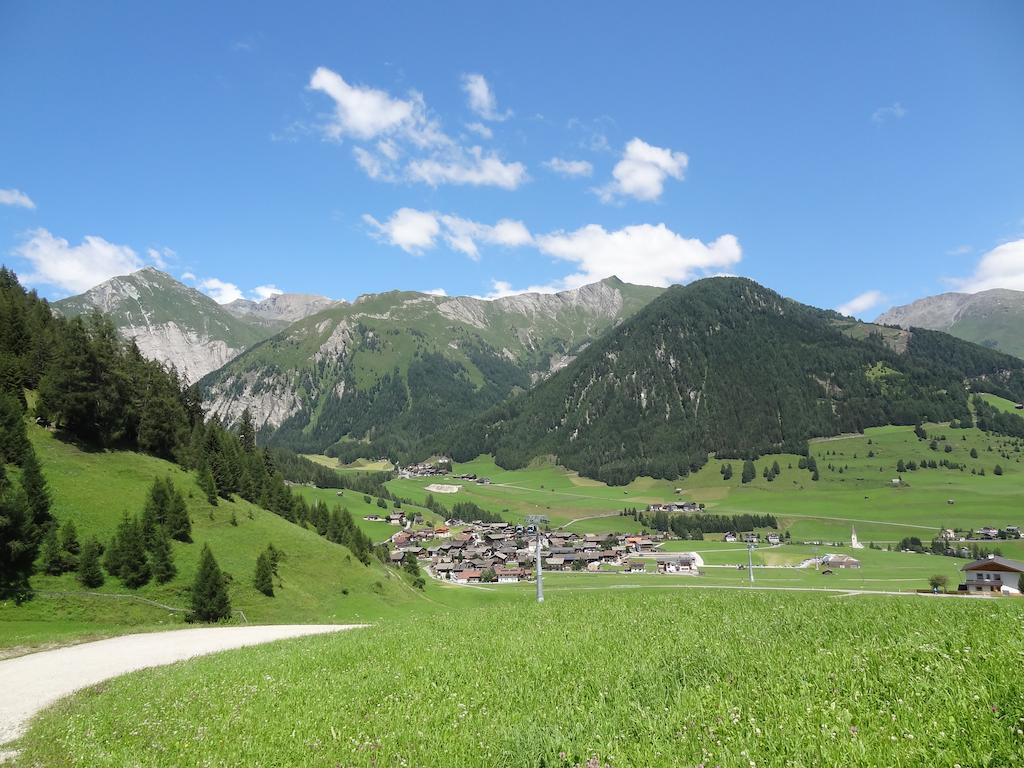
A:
x: 993, y: 575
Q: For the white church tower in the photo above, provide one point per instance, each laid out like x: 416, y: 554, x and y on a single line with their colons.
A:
x: 854, y: 543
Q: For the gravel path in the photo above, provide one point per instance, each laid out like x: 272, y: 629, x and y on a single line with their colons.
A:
x: 32, y: 682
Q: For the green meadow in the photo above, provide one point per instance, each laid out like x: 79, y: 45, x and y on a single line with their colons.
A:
x: 854, y: 488
x: 628, y: 678
x: 318, y: 580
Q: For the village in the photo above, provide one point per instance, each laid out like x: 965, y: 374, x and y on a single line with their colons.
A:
x: 479, y: 552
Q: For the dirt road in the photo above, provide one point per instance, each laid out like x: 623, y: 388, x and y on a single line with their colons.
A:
x: 32, y: 682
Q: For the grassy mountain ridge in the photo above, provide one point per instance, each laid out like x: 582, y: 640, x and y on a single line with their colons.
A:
x: 727, y: 366
x: 993, y: 318
x: 390, y: 368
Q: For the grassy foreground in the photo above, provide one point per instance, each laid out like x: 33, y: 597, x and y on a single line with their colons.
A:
x: 639, y: 679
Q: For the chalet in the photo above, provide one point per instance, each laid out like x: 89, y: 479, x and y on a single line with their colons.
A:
x: 1012, y: 531
x: 1019, y: 406
x: 444, y: 570
x: 373, y: 518
x: 396, y: 556
x: 636, y: 566
x: 988, y: 532
x: 730, y: 537
x: 397, y: 518
x: 840, y: 561
x: 554, y: 564
x: 751, y: 538
x: 993, y: 574
x: 774, y: 539
x: 468, y: 577
x: 509, y: 575
x: 681, y: 563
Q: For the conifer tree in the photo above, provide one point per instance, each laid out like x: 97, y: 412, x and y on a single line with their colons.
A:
x: 208, y: 484
x: 126, y: 556
x: 13, y: 439
x: 247, y: 432
x: 264, y: 578
x: 34, y: 485
x: 69, y: 540
x: 90, y: 574
x: 749, y: 471
x: 210, y: 600
x: 19, y: 542
x: 51, y: 561
x: 163, y: 558
x: 176, y: 519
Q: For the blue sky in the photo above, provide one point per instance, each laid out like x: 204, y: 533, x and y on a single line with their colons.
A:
x: 833, y: 151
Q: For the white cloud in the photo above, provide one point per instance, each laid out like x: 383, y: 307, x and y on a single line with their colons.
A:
x: 502, y: 288
x: 470, y: 167
x: 861, y: 303
x: 643, y: 253
x: 411, y: 230
x: 481, y: 98
x: 74, y: 269
x: 1002, y: 267
x: 17, y: 198
x: 416, y: 231
x: 463, y: 234
x: 261, y: 292
x: 190, y: 276
x: 569, y: 167
x: 481, y: 130
x: 894, y: 111
x: 409, y: 143
x: 436, y: 292
x: 360, y: 111
x: 642, y: 171
x: 220, y: 291
x: 160, y: 257
x: 373, y: 165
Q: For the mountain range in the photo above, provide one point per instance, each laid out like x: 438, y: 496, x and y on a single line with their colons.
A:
x: 616, y: 380
x: 180, y: 326
x: 992, y: 318
x: 380, y: 374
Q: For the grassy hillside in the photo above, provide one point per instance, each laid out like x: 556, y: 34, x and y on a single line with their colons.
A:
x: 854, y: 488
x: 669, y: 679
x: 319, y: 581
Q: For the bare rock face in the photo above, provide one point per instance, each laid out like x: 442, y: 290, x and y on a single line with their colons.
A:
x: 992, y: 318
x: 269, y: 397
x: 170, y: 322
x: 281, y: 309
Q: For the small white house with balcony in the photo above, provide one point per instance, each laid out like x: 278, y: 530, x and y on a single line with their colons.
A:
x: 993, y: 575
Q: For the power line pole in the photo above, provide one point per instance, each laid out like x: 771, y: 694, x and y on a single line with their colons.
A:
x: 750, y: 561
x: 536, y: 521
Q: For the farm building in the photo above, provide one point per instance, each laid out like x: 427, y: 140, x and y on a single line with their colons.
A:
x: 840, y: 561
x: 993, y: 574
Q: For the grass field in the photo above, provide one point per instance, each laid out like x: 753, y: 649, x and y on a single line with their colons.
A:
x: 639, y: 679
x: 319, y: 581
x: 854, y: 488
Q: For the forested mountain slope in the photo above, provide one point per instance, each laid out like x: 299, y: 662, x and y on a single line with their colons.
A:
x: 725, y: 365
x: 992, y: 318
x: 378, y: 375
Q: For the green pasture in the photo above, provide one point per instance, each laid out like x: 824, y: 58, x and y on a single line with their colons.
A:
x: 619, y: 678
